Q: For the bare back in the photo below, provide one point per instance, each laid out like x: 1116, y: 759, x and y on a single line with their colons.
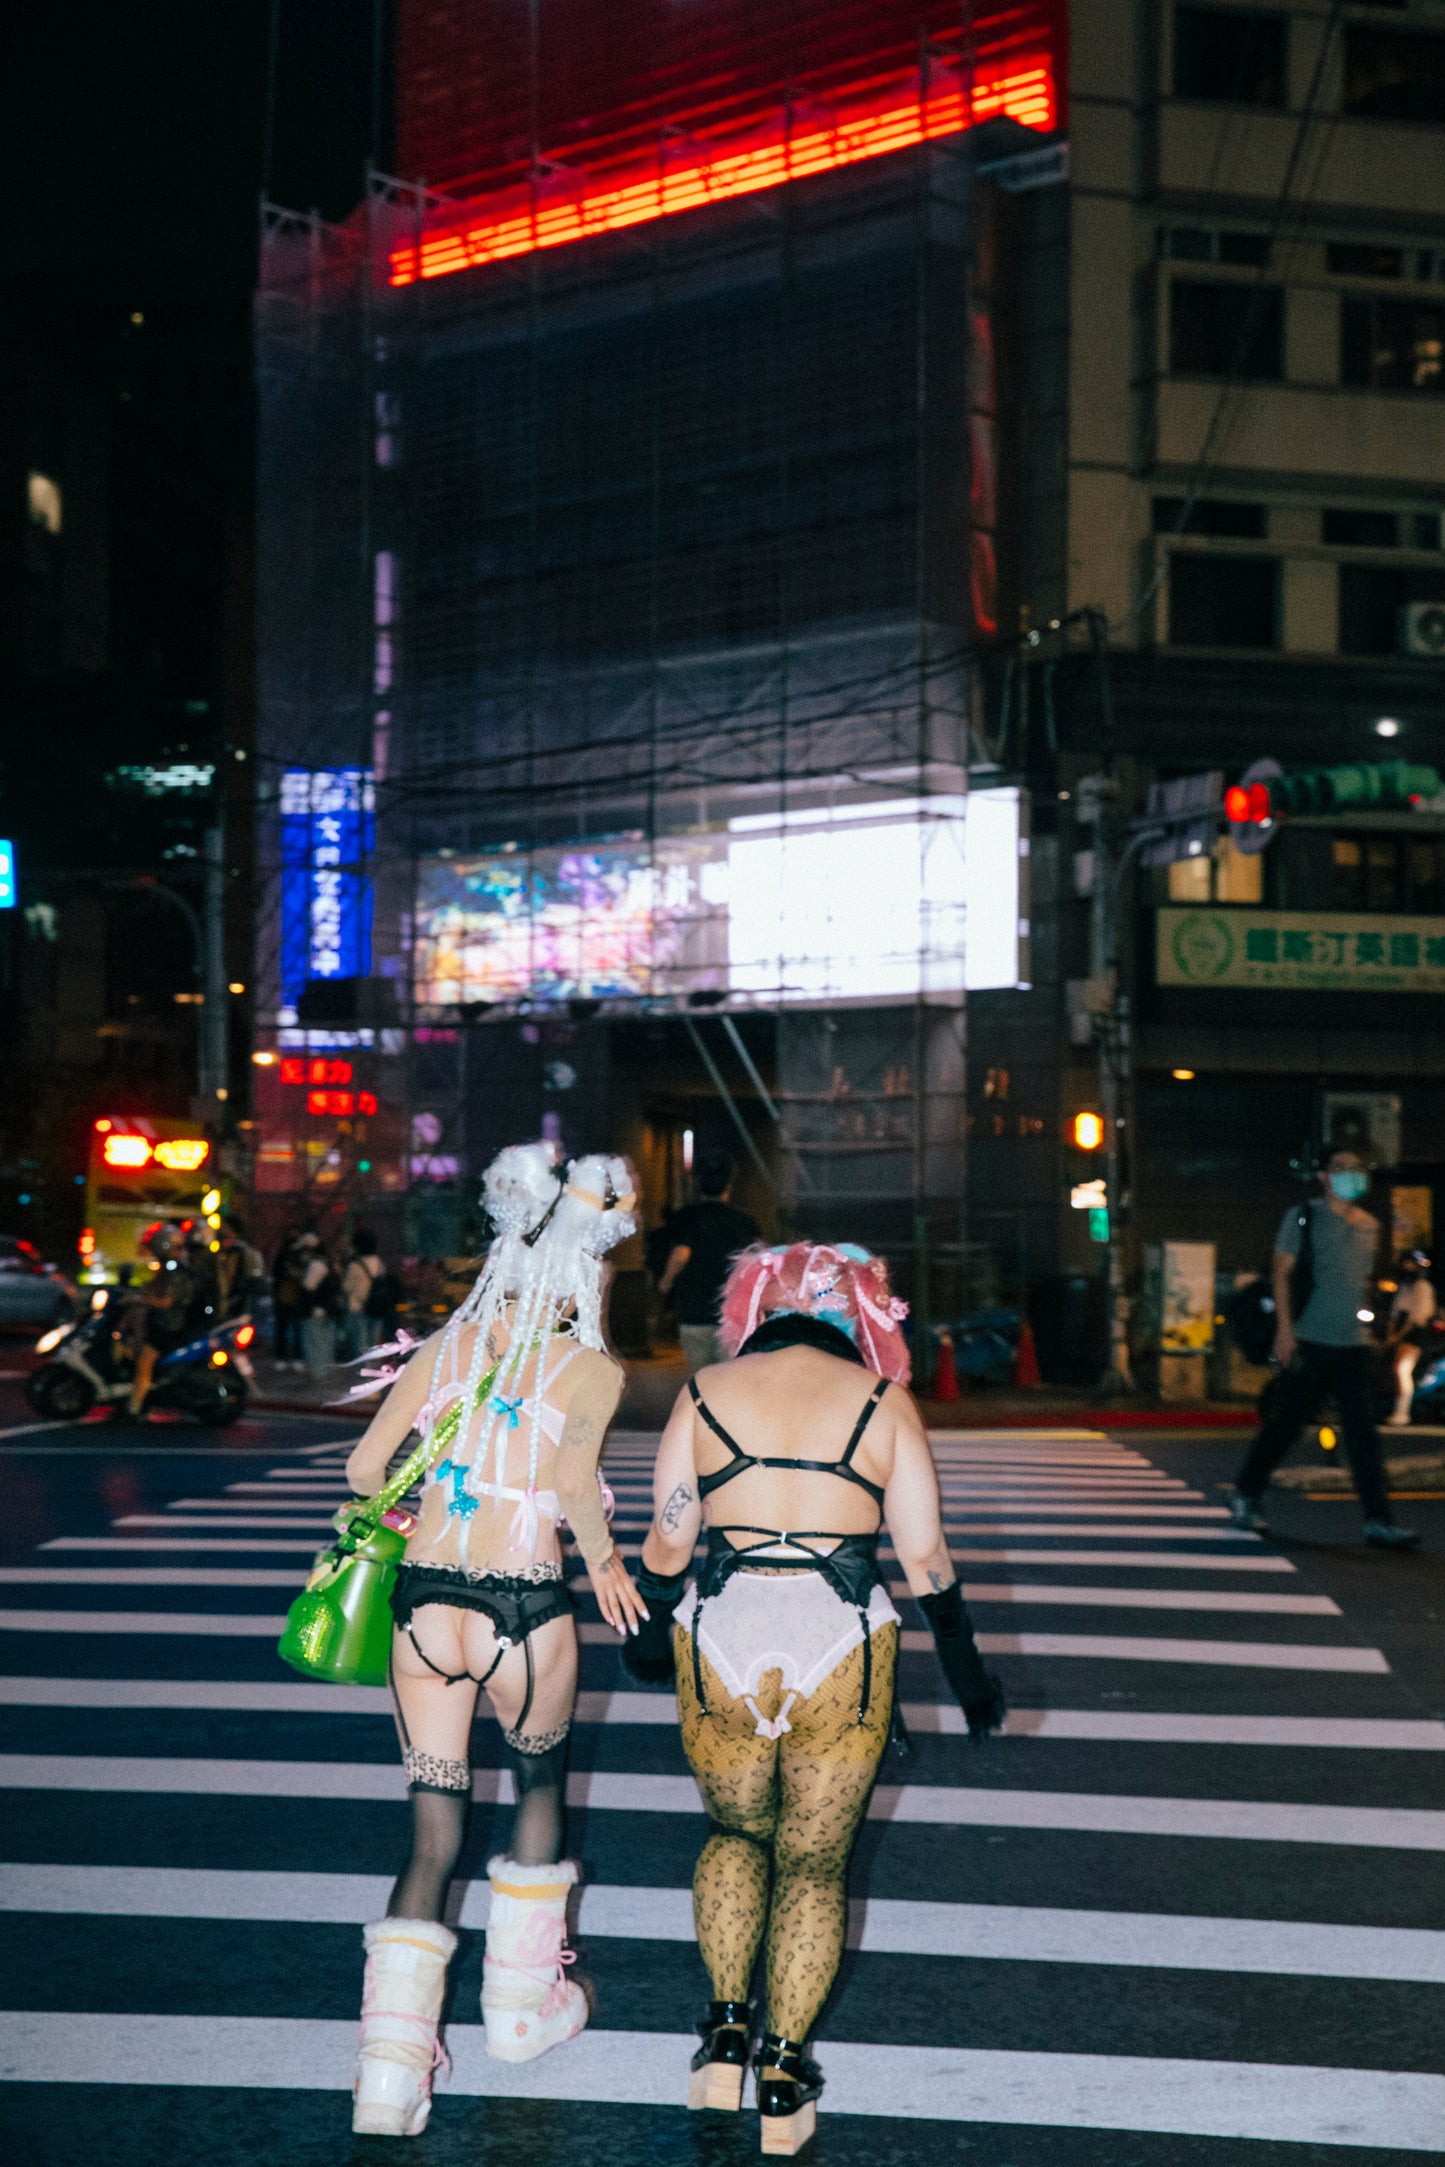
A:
x: 795, y: 1403
x: 581, y: 1382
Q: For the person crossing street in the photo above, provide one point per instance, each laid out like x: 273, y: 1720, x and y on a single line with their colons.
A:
x: 1321, y: 1347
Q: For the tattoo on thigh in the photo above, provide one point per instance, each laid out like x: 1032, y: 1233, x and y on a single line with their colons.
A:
x: 675, y: 1507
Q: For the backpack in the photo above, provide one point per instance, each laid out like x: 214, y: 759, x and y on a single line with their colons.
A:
x: 1250, y: 1311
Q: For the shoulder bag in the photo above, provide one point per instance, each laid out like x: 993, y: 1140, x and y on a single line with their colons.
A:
x: 339, y: 1627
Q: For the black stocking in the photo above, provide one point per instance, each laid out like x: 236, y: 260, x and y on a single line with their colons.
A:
x: 539, y: 1771
x: 438, y: 1831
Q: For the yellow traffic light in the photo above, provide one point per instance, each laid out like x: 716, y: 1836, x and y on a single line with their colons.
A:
x: 1088, y: 1131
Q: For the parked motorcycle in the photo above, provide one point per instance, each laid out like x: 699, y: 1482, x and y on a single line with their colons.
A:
x: 91, y: 1362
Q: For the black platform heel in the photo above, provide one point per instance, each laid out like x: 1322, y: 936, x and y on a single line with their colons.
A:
x: 787, y: 2100
x: 721, y: 2061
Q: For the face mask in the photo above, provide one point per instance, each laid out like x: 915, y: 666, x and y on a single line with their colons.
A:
x: 1349, y: 1185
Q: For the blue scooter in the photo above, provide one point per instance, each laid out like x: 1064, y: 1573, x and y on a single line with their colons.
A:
x: 91, y: 1363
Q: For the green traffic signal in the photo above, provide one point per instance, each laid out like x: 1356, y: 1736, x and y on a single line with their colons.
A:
x: 1356, y: 788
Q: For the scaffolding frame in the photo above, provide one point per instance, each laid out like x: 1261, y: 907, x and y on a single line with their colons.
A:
x: 652, y: 684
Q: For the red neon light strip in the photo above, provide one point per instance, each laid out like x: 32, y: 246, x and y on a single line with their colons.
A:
x: 1024, y: 92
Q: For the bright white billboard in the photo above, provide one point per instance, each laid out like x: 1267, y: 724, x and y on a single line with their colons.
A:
x: 859, y: 903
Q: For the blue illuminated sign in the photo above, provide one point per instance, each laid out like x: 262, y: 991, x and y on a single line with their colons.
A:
x: 328, y: 832
x: 7, y: 876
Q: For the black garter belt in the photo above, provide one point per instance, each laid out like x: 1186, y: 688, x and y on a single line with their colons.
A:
x: 517, y: 1608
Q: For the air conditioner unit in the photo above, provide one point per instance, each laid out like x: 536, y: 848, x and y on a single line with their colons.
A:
x: 1422, y: 629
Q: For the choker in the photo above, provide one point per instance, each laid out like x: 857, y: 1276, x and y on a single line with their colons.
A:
x: 791, y: 1328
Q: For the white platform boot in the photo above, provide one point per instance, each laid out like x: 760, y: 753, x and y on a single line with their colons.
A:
x: 528, y: 2002
x: 401, y: 2003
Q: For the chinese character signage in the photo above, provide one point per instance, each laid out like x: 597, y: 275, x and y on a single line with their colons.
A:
x: 1298, y: 951
x: 327, y: 833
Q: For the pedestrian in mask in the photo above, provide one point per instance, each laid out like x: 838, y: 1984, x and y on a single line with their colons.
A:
x: 1324, y: 1260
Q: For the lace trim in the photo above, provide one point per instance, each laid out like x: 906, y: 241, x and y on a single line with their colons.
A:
x: 435, y: 1771
x: 539, y: 1742
x: 477, y: 1576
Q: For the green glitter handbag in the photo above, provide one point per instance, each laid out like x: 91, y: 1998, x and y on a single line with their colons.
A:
x: 339, y: 1627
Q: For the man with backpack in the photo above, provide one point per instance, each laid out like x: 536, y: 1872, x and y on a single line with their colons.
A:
x: 322, y: 1305
x: 365, y: 1283
x: 1323, y: 1268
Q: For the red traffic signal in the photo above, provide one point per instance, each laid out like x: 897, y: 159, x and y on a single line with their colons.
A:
x: 1248, y: 804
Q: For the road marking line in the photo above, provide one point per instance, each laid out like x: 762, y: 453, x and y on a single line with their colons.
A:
x: 931, y: 1805
x: 181, y: 1519
x: 658, y: 1710
x: 1253, y: 1655
x: 135, y: 1544
x: 1014, y: 1592
x: 1400, y: 2111
x: 876, y: 1926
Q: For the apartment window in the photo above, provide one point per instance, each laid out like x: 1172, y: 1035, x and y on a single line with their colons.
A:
x: 1361, y: 530
x: 1315, y: 869
x: 1224, y: 329
x: 1234, y: 56
x: 1199, y: 244
x: 1223, y: 601
x: 42, y: 496
x: 1364, y: 259
x: 1371, y: 598
x: 1235, y: 522
x: 1394, y: 75
x: 1388, y: 345
x: 1226, y: 875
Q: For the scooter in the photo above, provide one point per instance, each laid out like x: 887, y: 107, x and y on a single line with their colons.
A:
x: 207, y: 1378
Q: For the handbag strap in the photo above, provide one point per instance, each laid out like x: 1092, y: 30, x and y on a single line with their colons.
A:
x: 370, y: 1511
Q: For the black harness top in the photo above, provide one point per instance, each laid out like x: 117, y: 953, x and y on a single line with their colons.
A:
x: 850, y: 1568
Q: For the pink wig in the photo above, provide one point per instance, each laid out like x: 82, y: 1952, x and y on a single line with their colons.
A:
x: 844, y: 1286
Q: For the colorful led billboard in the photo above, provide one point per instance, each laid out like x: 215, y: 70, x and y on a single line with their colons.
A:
x: 876, y: 902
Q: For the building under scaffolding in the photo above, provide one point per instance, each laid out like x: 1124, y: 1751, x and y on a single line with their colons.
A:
x: 625, y: 541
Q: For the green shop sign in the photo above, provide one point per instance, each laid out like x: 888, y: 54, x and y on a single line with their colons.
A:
x: 1300, y: 950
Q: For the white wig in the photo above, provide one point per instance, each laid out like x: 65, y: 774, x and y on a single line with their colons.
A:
x: 546, y: 1259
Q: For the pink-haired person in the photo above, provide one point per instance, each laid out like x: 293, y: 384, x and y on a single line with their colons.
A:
x: 791, y: 1458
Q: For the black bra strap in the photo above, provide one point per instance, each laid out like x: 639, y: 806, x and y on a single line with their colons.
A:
x: 864, y: 1418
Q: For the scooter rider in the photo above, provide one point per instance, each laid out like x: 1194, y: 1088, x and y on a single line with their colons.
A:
x: 164, y: 1307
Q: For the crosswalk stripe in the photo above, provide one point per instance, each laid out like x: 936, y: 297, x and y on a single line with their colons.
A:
x: 138, y: 1545
x: 876, y: 1925
x: 1041, y: 1594
x: 931, y: 1805
x: 1119, y: 1560
x: 1399, y: 2111
x: 656, y: 1710
x: 210, y: 1520
x: 1253, y: 1655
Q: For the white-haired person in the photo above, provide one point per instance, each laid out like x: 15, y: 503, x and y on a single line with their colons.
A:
x: 791, y: 1458
x: 519, y: 1390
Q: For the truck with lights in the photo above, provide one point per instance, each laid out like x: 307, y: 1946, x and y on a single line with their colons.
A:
x: 142, y: 1168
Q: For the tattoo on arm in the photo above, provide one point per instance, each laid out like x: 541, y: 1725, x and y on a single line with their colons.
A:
x: 937, y: 1582
x: 675, y: 1507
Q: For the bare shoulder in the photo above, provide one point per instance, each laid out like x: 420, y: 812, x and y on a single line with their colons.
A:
x: 591, y: 1373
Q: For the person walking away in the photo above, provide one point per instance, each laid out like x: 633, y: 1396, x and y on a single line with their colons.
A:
x: 364, y: 1269
x: 1322, y: 1348
x: 321, y: 1303
x: 792, y: 1457
x: 521, y: 1389
x: 706, y: 1236
x: 287, y: 1298
x: 1411, y: 1327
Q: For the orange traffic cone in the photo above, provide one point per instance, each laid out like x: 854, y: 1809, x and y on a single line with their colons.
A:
x: 1026, y: 1361
x: 945, y: 1375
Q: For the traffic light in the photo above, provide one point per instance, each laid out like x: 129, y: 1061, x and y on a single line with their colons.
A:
x: 1087, y: 1130
x: 1364, y: 784
x: 1250, y: 809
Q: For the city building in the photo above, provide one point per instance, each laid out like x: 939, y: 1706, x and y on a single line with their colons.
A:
x: 1226, y: 434
x: 627, y: 544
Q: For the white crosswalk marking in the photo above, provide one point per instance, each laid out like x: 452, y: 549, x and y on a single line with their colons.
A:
x: 1009, y: 1932
x: 1091, y: 1779
x: 1394, y: 2111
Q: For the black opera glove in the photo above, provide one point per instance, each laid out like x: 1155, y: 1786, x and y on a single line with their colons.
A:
x: 980, y: 1695
x: 647, y: 1653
